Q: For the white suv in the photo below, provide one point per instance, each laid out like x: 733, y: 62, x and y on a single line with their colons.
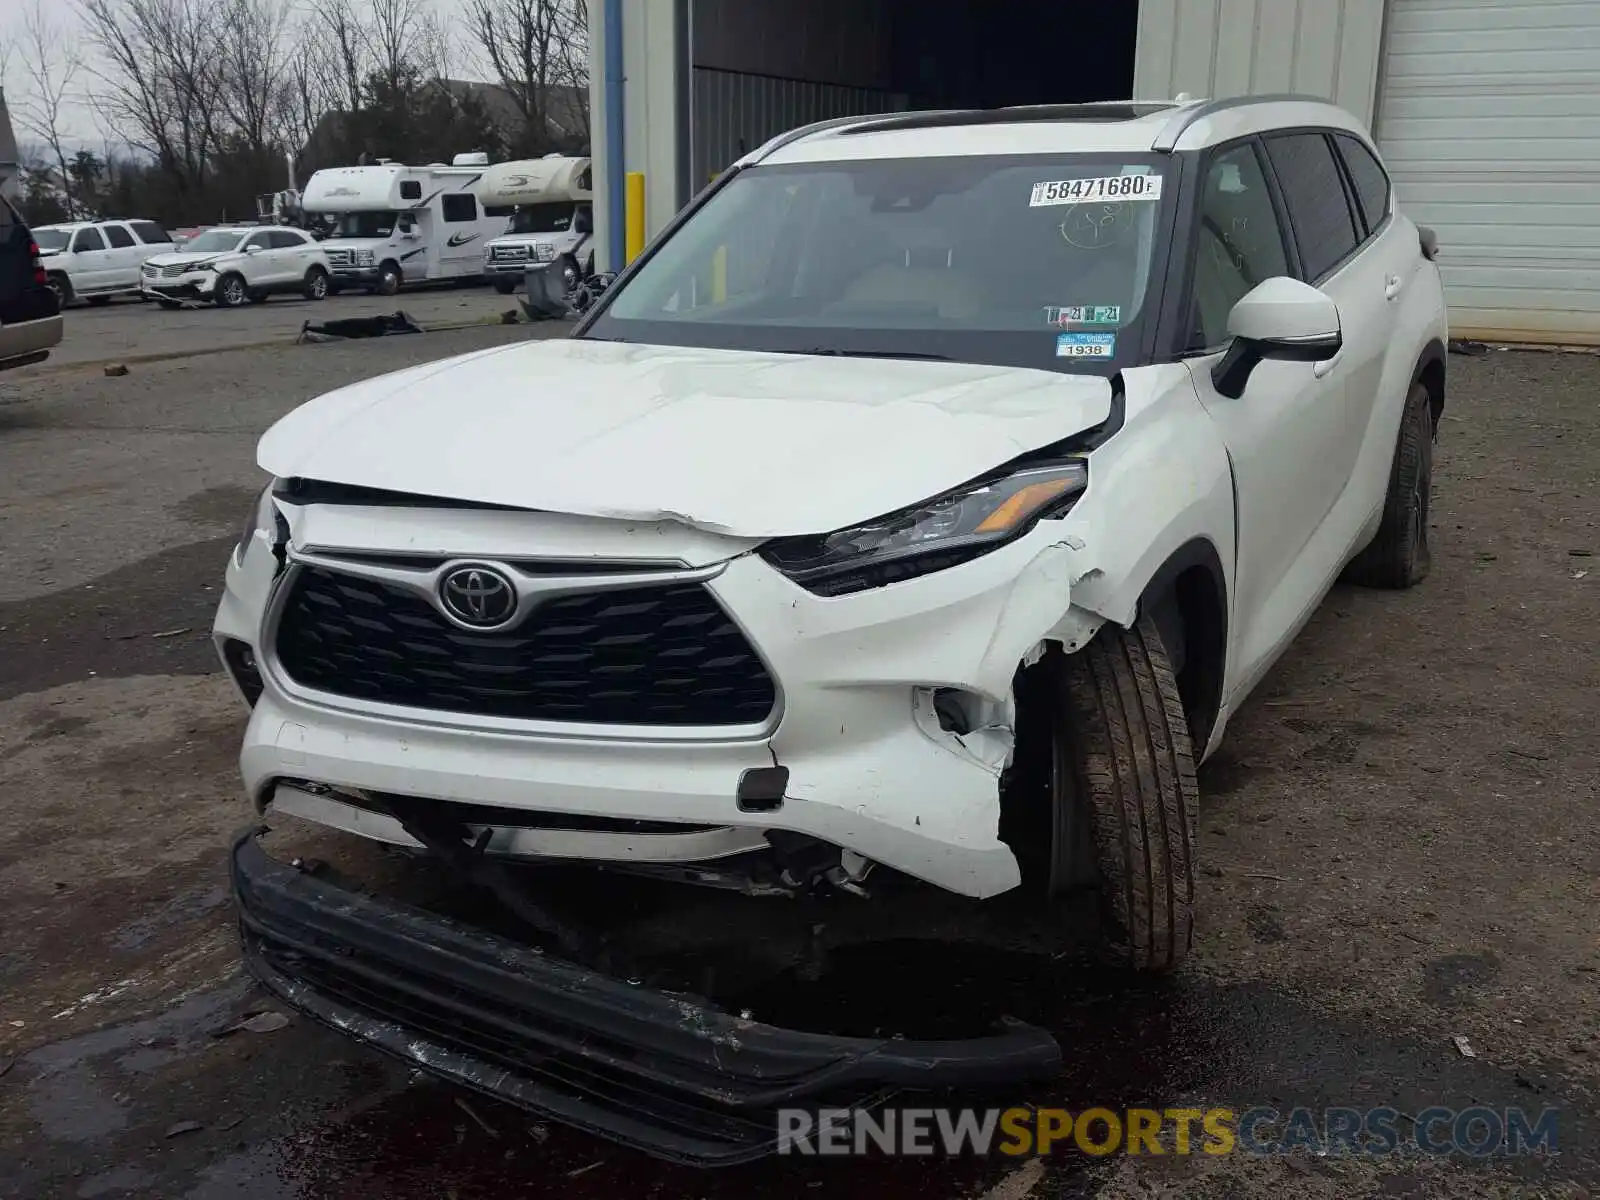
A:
x: 927, y: 499
x: 234, y: 265
x: 96, y: 260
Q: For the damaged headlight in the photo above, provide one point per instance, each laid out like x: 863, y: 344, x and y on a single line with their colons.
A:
x: 263, y: 516
x: 931, y: 536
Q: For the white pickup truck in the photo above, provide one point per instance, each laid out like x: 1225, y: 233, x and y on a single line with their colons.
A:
x: 96, y: 260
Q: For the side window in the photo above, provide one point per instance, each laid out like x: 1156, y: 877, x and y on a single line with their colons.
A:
x: 410, y: 189
x: 1239, y: 243
x: 459, y: 207
x: 1324, y: 227
x: 285, y: 239
x: 151, y: 234
x: 258, y: 240
x: 118, y: 236
x: 1371, y: 180
x: 88, y: 239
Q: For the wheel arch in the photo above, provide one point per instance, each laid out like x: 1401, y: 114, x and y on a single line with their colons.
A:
x: 1187, y: 597
x: 1430, y: 373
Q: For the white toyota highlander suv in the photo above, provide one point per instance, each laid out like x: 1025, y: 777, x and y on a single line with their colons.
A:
x: 926, y: 498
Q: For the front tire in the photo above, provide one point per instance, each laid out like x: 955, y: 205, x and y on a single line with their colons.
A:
x: 1122, y: 800
x: 231, y: 292
x: 389, y: 279
x: 316, y: 286
x: 62, y: 287
x: 1399, y: 556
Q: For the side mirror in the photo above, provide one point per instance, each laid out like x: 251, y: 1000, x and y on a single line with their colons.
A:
x: 582, y: 224
x: 1282, y: 319
x: 252, y: 249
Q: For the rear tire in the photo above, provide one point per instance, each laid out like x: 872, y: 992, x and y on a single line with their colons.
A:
x: 1399, y: 556
x: 1123, y: 798
x: 316, y: 286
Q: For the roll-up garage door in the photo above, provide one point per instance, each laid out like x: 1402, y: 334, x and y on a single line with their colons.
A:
x: 1489, y: 120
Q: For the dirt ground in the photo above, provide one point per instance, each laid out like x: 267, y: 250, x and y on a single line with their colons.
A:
x: 1398, y: 841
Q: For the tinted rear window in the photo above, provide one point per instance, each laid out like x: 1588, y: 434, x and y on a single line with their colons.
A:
x: 1372, y: 182
x: 1324, y: 227
x: 150, y: 233
x: 117, y: 236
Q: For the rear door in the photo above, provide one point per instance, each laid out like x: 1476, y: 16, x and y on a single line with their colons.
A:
x: 462, y: 250
x: 91, y: 261
x: 123, y: 257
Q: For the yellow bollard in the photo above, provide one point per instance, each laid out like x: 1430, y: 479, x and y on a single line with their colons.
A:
x: 635, y: 215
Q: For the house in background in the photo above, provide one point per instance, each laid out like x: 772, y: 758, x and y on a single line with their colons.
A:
x: 10, y: 167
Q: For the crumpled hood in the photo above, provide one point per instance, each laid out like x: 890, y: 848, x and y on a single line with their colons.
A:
x: 746, y: 444
x: 187, y: 258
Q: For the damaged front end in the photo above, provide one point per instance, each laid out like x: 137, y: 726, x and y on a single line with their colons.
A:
x: 666, y: 1072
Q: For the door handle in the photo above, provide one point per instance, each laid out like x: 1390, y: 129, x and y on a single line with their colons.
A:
x: 1393, y: 287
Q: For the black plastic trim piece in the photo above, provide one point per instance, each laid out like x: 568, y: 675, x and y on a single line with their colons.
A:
x: 667, y: 1073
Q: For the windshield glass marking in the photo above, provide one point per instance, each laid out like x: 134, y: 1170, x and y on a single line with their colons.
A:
x: 944, y: 257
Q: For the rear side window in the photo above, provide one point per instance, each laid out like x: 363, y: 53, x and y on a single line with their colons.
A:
x: 88, y: 239
x: 410, y: 189
x: 1369, y: 177
x: 1324, y: 227
x: 460, y: 207
x: 151, y: 234
x: 119, y: 237
x: 286, y: 239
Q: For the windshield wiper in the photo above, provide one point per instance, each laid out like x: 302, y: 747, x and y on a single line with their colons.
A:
x: 834, y: 352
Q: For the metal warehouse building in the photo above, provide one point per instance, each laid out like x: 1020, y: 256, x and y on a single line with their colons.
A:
x: 1487, y: 111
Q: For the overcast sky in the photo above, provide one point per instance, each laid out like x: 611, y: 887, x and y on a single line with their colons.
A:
x: 80, y: 122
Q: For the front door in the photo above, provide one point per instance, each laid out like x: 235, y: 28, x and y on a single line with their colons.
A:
x: 91, y: 261
x: 1280, y: 432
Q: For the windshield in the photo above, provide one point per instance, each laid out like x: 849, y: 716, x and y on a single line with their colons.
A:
x: 542, y: 218
x: 52, y: 239
x: 1018, y: 261
x: 365, y: 224
x: 212, y: 241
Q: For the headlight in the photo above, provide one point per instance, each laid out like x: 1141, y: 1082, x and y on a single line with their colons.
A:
x: 366, y: 258
x: 262, y: 516
x: 932, y: 536
x: 544, y: 252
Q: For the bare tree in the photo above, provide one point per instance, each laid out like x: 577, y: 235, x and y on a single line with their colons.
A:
x: 49, y: 67
x: 533, y: 47
x: 160, y: 84
x: 251, y: 66
x: 398, y: 32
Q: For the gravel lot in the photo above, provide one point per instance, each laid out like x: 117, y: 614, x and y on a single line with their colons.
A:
x: 1399, y: 846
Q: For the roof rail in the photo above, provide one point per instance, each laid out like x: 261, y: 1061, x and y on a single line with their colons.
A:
x: 794, y: 135
x: 1100, y: 110
x: 1167, y: 140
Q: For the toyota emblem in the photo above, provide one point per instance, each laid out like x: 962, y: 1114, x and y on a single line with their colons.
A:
x: 478, y: 596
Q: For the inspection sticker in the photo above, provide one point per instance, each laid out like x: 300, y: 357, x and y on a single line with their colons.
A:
x: 1086, y: 345
x: 1083, y: 314
x: 1108, y: 188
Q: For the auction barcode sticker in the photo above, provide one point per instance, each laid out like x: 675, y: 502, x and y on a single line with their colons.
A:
x: 1108, y: 187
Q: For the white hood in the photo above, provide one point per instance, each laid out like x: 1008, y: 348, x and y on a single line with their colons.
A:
x: 185, y: 258
x: 747, y: 444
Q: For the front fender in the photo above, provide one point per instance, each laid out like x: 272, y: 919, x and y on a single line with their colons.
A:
x: 1161, y: 482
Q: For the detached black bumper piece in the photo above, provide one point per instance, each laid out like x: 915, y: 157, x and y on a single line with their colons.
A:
x: 667, y: 1074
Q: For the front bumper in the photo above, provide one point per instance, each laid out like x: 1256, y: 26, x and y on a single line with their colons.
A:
x: 871, y: 769
x: 508, y: 266
x: 355, y: 274
x: 664, y: 1072
x: 187, y: 287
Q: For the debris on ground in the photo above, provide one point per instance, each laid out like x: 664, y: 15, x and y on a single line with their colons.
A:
x: 1464, y: 1046
x: 116, y: 369
x: 183, y: 1127
x: 1471, y: 349
x: 473, y: 1113
x: 358, y: 327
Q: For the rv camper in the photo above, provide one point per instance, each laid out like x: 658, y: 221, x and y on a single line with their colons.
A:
x: 551, y: 203
x: 394, y: 225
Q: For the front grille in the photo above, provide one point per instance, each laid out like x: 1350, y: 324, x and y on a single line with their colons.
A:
x: 340, y: 258
x: 175, y: 271
x: 510, y: 252
x: 666, y: 654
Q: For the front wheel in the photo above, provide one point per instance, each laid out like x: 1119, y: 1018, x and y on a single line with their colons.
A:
x: 62, y: 287
x: 389, y: 279
x: 1104, y: 734
x: 1399, y: 556
x: 316, y: 286
x: 231, y: 292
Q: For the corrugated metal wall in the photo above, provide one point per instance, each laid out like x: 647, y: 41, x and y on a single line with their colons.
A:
x: 1489, y: 119
x: 1220, y: 48
x: 735, y: 112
